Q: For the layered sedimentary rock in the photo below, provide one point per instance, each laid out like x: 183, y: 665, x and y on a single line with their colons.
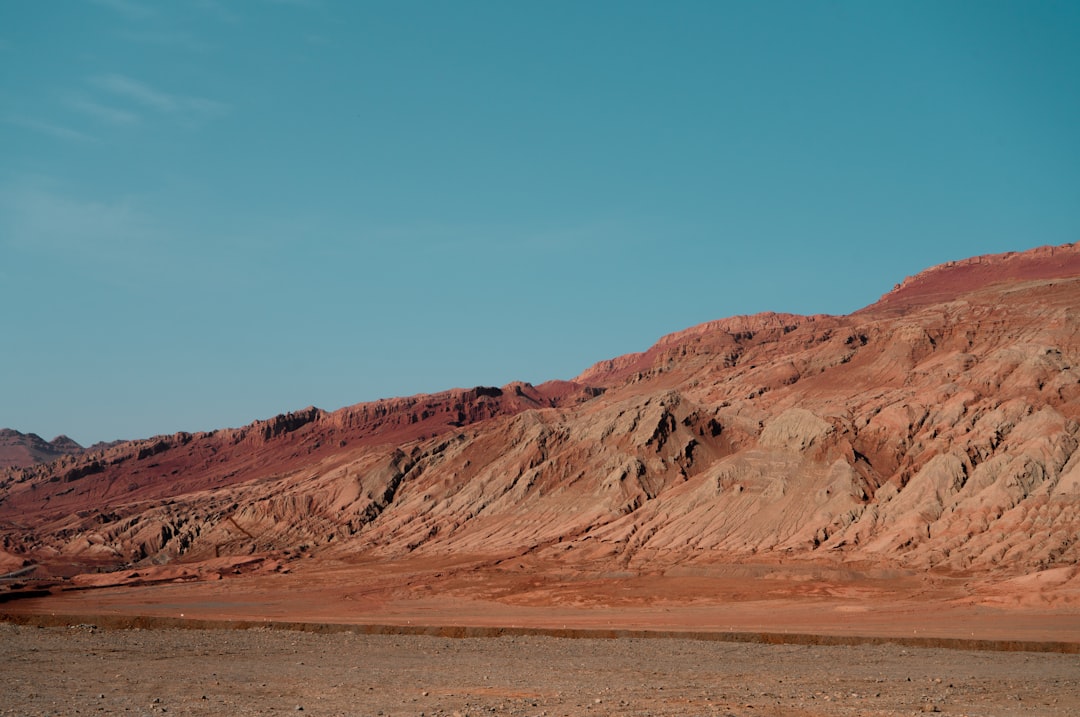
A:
x: 935, y: 429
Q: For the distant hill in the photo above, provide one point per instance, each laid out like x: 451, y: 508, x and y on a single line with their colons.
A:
x: 20, y: 450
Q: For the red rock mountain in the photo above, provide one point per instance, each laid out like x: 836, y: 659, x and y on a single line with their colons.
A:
x: 935, y: 429
x: 20, y: 450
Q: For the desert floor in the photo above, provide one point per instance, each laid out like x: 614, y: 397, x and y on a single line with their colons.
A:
x: 353, y: 638
x: 86, y: 670
x: 774, y: 598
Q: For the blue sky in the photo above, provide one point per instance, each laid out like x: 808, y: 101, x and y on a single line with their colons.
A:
x: 212, y: 211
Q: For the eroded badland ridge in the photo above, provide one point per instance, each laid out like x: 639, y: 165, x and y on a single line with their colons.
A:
x: 935, y: 430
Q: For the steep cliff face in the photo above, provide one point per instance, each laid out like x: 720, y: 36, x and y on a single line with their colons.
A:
x: 937, y: 428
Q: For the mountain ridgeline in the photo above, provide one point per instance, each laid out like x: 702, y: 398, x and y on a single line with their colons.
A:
x: 935, y: 429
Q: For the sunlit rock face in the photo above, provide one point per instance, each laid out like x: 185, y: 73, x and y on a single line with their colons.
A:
x: 935, y: 429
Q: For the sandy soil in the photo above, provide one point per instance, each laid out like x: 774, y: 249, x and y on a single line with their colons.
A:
x: 83, y: 669
x: 754, y: 598
x: 370, y: 638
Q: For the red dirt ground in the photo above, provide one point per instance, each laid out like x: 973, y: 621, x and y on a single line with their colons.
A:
x: 792, y: 600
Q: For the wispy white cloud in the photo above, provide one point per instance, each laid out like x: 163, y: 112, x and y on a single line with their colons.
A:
x: 37, y: 216
x: 168, y: 39
x: 113, y: 100
x: 156, y: 99
x: 122, y: 240
x: 128, y: 8
x: 138, y: 91
x: 296, y: 3
x: 49, y: 128
x: 219, y: 10
x: 102, y: 112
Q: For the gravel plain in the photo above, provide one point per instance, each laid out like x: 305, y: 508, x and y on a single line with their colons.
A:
x: 261, y: 671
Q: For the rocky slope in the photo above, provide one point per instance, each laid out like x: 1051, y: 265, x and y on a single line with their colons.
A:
x: 936, y: 429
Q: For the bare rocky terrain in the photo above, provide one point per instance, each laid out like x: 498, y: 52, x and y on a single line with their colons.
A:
x: 21, y: 450
x: 82, y: 669
x: 898, y: 480
x: 934, y: 430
